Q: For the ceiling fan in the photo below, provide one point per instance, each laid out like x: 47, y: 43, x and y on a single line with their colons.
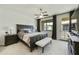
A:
x: 42, y: 14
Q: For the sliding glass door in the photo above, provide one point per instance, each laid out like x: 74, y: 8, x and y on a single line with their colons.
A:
x: 47, y: 25
x: 65, y: 27
x: 62, y: 26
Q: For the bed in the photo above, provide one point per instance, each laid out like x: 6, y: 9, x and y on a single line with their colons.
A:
x: 29, y: 36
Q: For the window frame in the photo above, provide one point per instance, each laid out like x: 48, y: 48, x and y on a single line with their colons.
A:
x: 47, y: 21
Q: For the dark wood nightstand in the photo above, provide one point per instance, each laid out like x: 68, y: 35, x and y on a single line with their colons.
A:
x: 11, y: 39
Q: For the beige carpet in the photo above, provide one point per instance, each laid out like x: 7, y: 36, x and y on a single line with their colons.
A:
x: 55, y: 48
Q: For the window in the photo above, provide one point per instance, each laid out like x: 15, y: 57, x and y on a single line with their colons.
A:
x: 65, y: 27
x: 47, y: 26
x: 74, y: 24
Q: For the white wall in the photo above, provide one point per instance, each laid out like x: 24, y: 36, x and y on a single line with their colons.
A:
x: 59, y: 26
x: 9, y: 17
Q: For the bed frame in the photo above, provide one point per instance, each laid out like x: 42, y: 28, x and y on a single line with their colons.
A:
x: 33, y: 39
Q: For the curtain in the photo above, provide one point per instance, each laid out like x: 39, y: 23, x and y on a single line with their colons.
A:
x: 54, y: 31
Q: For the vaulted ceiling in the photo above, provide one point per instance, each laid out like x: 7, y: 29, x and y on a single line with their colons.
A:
x: 31, y: 9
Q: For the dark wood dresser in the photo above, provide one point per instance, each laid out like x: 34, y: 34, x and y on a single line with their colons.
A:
x: 11, y: 39
x: 73, y: 45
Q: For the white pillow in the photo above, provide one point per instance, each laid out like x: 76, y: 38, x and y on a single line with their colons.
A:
x: 28, y: 30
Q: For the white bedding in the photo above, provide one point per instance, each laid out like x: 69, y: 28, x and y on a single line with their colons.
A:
x: 26, y: 36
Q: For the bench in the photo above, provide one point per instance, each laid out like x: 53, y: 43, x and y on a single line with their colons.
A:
x: 42, y: 43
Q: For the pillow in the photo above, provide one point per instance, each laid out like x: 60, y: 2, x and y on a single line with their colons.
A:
x: 27, y: 30
x: 23, y: 30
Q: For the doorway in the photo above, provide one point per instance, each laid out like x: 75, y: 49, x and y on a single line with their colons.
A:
x: 62, y: 26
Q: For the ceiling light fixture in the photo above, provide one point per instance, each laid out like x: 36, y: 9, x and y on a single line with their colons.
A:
x: 42, y: 14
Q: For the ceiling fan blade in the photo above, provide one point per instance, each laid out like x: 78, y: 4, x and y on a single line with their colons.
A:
x: 45, y: 11
x: 45, y: 15
x: 36, y: 14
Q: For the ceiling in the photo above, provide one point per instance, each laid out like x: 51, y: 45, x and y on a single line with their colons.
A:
x: 31, y: 9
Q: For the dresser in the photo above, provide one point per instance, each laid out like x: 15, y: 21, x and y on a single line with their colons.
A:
x: 11, y: 39
x: 73, y: 45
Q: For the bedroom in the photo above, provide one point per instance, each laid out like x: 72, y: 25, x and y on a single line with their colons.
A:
x: 12, y: 15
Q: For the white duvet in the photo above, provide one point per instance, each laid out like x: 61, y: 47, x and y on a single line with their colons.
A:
x: 26, y: 36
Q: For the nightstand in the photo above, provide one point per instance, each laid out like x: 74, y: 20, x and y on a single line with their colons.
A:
x: 11, y: 39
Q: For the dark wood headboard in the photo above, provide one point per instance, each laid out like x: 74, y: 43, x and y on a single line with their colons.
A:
x: 20, y: 26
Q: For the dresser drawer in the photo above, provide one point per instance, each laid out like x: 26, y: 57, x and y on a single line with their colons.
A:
x: 10, y: 39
